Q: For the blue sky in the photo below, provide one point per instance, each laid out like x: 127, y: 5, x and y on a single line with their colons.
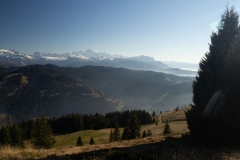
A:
x: 176, y: 30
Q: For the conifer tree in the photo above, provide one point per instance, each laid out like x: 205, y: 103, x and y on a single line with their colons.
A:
x: 144, y: 134
x: 44, y: 137
x: 134, y: 127
x: 149, y: 133
x: 16, y: 136
x: 5, y: 136
x: 91, y: 141
x: 79, y: 141
x: 125, y: 134
x: 116, y: 132
x: 111, y: 137
x: 205, y: 118
x: 166, y: 129
x: 153, y: 114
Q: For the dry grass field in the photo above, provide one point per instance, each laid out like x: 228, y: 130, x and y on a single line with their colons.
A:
x: 175, y: 115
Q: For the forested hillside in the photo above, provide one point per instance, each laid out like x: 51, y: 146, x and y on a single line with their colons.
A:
x: 137, y: 89
x: 30, y: 91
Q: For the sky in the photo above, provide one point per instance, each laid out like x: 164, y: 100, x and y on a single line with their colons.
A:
x: 167, y: 30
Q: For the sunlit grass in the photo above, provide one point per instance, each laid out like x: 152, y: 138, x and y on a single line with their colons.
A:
x: 66, y: 144
x: 24, y: 80
x: 175, y: 115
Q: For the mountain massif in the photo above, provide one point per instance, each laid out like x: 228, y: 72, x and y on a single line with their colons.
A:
x: 30, y: 91
x: 89, y: 57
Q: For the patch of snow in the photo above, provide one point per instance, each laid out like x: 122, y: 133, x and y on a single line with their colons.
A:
x: 6, y: 51
x: 54, y: 58
x: 79, y: 57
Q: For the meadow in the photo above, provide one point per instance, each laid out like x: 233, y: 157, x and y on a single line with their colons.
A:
x: 157, y: 146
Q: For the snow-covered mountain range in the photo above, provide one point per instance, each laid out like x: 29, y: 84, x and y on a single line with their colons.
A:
x: 88, y: 57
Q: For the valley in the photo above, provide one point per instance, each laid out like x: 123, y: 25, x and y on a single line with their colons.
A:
x: 30, y: 91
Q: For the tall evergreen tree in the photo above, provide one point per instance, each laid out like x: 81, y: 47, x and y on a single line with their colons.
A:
x: 116, y: 132
x: 231, y: 108
x: 44, y: 137
x: 79, y: 141
x: 16, y: 136
x: 134, y: 127
x: 205, y: 117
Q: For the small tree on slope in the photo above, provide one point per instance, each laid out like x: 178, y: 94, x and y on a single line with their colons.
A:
x: 44, y: 137
x: 116, y: 132
x: 79, y: 141
x: 166, y: 129
x: 134, y: 127
x: 91, y: 141
x: 111, y: 136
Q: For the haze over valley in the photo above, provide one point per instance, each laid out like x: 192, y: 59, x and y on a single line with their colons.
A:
x: 30, y: 91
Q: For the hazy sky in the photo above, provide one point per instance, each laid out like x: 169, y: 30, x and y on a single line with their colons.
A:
x: 177, y: 30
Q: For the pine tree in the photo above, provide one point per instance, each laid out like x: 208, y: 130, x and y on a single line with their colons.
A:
x: 231, y: 110
x: 153, y: 114
x: 144, y: 134
x: 134, y: 127
x: 205, y: 118
x: 166, y: 129
x: 5, y: 136
x: 125, y: 134
x: 149, y: 133
x: 44, y: 137
x: 16, y: 136
x: 111, y: 137
x: 79, y: 141
x: 91, y: 141
x: 116, y: 132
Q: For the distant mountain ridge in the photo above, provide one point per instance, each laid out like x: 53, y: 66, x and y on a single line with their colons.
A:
x: 89, y: 57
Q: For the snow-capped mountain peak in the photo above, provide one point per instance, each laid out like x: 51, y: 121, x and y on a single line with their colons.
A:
x: 5, y: 51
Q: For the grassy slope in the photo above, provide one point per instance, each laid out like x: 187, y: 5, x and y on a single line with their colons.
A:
x: 175, y: 115
x: 102, y: 136
x: 164, y: 149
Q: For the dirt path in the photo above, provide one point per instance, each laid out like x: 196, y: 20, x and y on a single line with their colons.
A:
x: 160, y: 119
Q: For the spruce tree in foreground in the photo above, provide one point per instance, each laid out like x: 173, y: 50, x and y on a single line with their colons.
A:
x: 215, y: 102
x: 79, y: 141
x: 44, y: 137
x: 166, y: 129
